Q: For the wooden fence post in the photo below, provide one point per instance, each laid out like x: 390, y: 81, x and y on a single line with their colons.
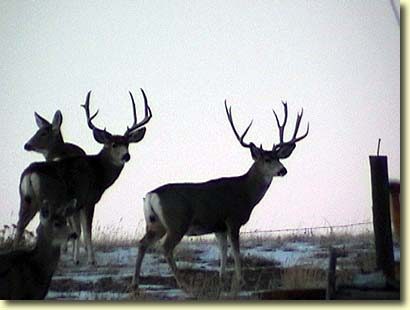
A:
x: 381, y: 215
x: 331, y: 274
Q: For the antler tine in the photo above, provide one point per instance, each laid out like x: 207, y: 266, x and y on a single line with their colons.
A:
x: 303, y: 136
x: 298, y: 119
x: 282, y: 128
x: 86, y: 107
x: 134, y: 110
x: 240, y: 138
x: 147, y: 111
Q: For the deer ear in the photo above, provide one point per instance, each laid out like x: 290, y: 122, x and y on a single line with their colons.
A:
x: 137, y: 136
x: 57, y: 120
x: 101, y: 136
x: 286, y: 150
x: 40, y: 121
x: 255, y: 151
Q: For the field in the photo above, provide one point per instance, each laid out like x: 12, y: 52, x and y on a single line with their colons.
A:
x: 291, y: 262
x: 269, y: 262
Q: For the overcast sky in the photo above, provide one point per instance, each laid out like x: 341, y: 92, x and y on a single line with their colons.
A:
x: 339, y: 60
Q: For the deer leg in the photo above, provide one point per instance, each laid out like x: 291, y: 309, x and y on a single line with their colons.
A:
x: 76, y: 226
x: 170, y: 242
x: 233, y: 236
x: 223, y: 247
x: 64, y: 247
x: 27, y: 211
x: 150, y: 238
x: 87, y: 214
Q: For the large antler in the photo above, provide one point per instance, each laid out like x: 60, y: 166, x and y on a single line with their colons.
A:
x: 147, y: 116
x: 240, y: 138
x: 86, y: 107
x: 291, y: 143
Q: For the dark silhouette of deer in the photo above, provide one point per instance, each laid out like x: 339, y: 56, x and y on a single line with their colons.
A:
x: 84, y: 178
x: 218, y: 206
x: 48, y: 141
x: 26, y: 274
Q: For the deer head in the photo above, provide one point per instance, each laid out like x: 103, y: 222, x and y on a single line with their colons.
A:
x: 116, y: 146
x: 268, y: 161
x: 47, y: 134
x: 53, y: 221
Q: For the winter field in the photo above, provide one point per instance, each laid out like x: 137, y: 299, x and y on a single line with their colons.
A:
x: 269, y: 262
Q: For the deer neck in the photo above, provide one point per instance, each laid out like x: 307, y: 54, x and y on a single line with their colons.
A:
x: 257, y: 183
x: 107, y: 170
x: 59, y: 139
x: 45, y: 258
x: 54, y: 151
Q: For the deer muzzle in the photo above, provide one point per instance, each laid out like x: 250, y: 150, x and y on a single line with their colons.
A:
x: 282, y: 172
x: 28, y: 147
x: 126, y: 157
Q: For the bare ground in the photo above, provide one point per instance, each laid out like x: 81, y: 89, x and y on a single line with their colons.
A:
x: 267, y: 264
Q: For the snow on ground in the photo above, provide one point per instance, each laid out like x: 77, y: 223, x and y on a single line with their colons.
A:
x: 293, y: 254
x: 111, y: 277
x: 87, y: 295
x: 121, y: 256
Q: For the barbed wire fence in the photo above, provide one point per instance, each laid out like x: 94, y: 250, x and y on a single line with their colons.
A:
x: 330, y: 229
x: 7, y: 232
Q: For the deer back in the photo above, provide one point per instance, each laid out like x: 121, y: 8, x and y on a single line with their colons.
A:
x: 64, y: 150
x: 206, y: 207
x: 64, y: 179
x: 84, y: 178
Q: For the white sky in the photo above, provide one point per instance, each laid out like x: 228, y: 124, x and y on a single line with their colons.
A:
x: 339, y: 60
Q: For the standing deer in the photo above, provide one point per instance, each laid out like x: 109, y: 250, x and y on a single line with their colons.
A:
x: 218, y: 206
x: 49, y: 141
x: 83, y: 177
x: 26, y: 274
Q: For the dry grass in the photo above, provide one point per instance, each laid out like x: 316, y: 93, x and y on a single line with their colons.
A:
x: 344, y: 236
x: 303, y: 278
x: 366, y: 261
x: 258, y: 273
x: 7, y: 234
x: 107, y: 237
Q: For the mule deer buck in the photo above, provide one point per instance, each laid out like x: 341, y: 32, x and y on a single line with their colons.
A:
x: 83, y: 177
x: 218, y: 206
x: 26, y: 274
x: 49, y: 141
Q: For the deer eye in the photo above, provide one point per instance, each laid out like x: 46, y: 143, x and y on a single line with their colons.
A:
x: 114, y: 145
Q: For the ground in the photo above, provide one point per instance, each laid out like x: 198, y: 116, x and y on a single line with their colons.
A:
x: 269, y: 262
